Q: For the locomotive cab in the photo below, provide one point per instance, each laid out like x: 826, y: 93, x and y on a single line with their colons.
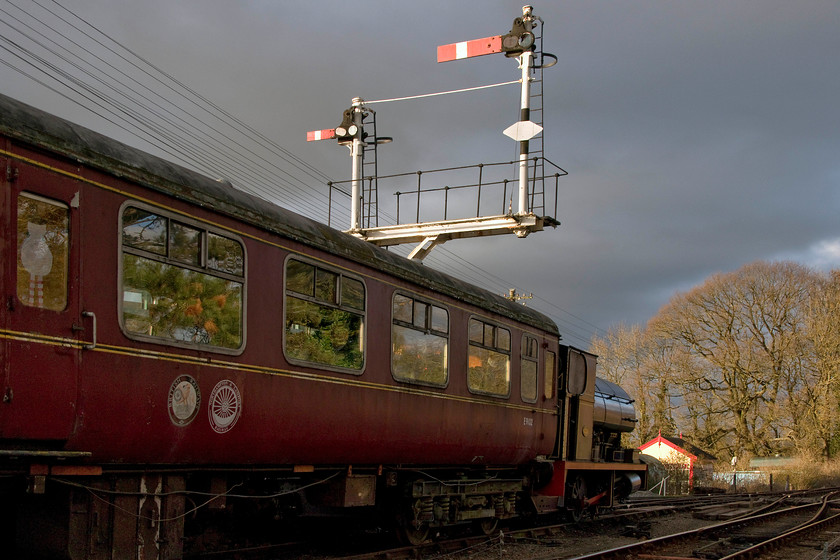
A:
x: 590, y: 467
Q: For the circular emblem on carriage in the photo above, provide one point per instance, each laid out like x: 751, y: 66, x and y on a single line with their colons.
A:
x: 184, y: 400
x: 224, y: 406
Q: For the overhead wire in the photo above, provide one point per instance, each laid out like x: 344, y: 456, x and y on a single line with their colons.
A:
x: 93, y: 97
x: 581, y: 333
x: 155, y: 122
x: 100, y: 98
x: 234, y: 152
x: 204, y: 101
x: 576, y: 330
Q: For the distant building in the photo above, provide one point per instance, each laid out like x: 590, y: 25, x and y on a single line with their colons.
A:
x: 773, y: 463
x: 779, y: 467
x: 696, y: 463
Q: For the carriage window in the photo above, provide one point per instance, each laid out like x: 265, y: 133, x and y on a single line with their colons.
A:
x: 503, y: 339
x: 528, y: 369
x: 324, y: 317
x: 489, y: 359
x: 42, y: 252
x: 181, y: 284
x: 419, y: 342
x: 550, y: 363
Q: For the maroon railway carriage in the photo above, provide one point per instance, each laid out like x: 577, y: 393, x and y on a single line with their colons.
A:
x: 164, y: 335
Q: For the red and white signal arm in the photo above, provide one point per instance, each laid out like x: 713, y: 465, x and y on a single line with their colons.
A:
x: 324, y: 134
x: 467, y: 49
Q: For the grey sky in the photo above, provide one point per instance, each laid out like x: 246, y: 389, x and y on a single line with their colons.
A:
x: 698, y: 136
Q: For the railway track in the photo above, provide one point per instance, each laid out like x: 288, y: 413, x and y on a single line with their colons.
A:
x: 745, y: 537
x: 750, y: 519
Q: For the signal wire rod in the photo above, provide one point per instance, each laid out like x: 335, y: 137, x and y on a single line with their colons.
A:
x: 442, y: 92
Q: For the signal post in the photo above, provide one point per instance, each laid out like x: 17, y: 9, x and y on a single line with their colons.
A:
x: 518, y: 43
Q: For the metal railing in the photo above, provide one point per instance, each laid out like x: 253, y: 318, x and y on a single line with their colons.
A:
x: 455, y: 192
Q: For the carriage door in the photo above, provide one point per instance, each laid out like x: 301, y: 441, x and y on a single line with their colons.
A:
x: 43, y: 329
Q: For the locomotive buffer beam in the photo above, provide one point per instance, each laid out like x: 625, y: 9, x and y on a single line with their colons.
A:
x: 430, y: 234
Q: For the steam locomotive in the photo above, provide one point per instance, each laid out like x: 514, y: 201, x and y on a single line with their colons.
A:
x: 177, y: 354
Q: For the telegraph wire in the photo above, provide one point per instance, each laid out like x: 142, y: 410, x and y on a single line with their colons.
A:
x: 448, y: 261
x: 132, y: 121
x: 177, y: 145
x: 312, y: 171
x: 242, y: 171
x: 583, y: 334
x: 94, y: 97
x: 225, y: 171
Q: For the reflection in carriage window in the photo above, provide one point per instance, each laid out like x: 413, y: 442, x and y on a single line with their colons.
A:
x: 489, y: 359
x: 528, y: 369
x: 352, y: 293
x: 42, y: 252
x: 324, y: 316
x: 225, y: 255
x: 145, y: 230
x: 419, y: 342
x: 181, y: 283
x: 185, y: 244
x: 325, y: 286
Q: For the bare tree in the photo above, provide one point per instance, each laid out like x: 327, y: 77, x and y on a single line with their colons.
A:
x: 747, y: 363
x: 818, y: 425
x: 743, y: 332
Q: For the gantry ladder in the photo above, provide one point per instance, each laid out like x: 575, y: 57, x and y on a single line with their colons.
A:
x: 537, y: 143
x: 370, y: 174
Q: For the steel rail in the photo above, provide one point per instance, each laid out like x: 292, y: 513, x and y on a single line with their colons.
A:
x: 639, y: 548
x: 816, y: 523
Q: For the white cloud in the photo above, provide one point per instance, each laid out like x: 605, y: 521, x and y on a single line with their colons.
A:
x: 825, y: 255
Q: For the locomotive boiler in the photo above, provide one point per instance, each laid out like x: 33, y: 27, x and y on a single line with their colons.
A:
x: 177, y: 354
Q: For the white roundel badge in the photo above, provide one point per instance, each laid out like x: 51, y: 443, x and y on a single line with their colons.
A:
x: 224, y: 406
x: 184, y: 400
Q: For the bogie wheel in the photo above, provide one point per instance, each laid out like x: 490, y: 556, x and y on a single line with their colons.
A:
x: 488, y: 527
x: 576, y: 499
x: 412, y: 530
x: 415, y: 535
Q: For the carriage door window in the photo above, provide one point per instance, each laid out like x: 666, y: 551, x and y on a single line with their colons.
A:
x: 42, y: 252
x: 528, y: 369
x: 550, y: 362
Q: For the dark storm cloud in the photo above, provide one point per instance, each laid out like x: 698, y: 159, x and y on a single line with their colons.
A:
x: 699, y: 136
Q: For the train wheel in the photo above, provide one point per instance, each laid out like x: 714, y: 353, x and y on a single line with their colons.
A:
x: 576, y: 499
x: 415, y: 534
x: 488, y: 526
x: 412, y: 530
